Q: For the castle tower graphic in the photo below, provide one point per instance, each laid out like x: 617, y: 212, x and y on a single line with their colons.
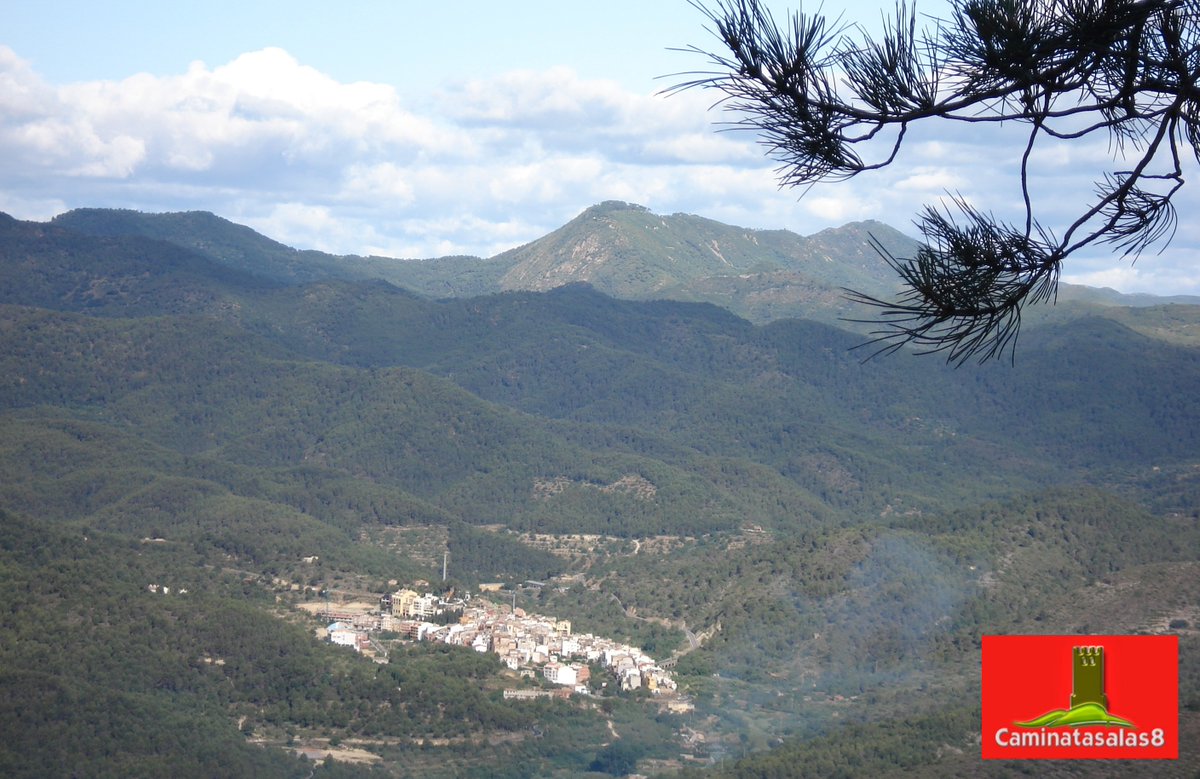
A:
x: 1088, y: 676
x: 1089, y: 702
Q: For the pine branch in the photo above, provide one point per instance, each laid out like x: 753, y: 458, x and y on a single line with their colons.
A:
x: 817, y: 92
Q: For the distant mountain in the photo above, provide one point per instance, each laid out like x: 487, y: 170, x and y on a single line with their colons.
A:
x: 50, y: 266
x: 627, y: 251
x: 621, y: 249
x: 240, y: 247
x: 231, y: 244
x: 1111, y: 297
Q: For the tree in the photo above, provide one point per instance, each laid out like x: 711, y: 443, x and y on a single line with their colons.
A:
x: 1066, y: 70
x: 618, y: 758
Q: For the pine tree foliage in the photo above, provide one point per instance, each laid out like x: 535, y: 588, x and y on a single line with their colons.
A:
x: 830, y: 101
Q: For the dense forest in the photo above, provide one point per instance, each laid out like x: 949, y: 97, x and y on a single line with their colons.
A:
x: 203, y: 430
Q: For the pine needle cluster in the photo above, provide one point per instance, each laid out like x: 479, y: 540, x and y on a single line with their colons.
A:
x: 821, y: 94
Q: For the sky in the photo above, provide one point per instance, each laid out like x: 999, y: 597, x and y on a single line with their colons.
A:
x: 417, y: 130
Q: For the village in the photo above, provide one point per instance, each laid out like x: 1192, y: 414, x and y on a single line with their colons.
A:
x: 529, y: 644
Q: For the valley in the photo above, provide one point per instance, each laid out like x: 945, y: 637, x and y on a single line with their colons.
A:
x: 814, y: 543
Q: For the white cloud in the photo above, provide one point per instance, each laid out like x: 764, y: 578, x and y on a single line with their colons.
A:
x: 573, y: 115
x: 1156, y: 278
x: 1127, y: 278
x: 703, y: 146
x: 23, y: 94
x: 526, y: 98
x: 1173, y: 271
x: 379, y: 183
x: 261, y: 112
x: 837, y: 209
x: 36, y: 208
x: 932, y: 181
x: 313, y: 227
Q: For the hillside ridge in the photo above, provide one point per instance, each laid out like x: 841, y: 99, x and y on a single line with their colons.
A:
x: 623, y: 249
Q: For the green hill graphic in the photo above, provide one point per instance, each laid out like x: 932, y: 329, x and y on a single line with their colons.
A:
x: 1077, y: 716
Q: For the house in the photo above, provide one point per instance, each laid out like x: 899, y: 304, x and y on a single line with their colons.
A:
x: 558, y: 673
x: 342, y: 634
x: 424, y: 607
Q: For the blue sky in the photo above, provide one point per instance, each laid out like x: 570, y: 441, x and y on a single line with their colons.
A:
x: 423, y: 129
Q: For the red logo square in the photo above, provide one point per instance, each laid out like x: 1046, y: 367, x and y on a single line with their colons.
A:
x: 1080, y: 697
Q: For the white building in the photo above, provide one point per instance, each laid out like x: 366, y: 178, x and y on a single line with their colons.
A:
x: 424, y: 607
x: 342, y: 634
x: 559, y: 673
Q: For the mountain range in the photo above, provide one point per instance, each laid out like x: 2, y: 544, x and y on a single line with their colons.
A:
x: 620, y: 249
x: 181, y: 396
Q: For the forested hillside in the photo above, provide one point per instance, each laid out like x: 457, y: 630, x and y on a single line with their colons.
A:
x: 817, y: 539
